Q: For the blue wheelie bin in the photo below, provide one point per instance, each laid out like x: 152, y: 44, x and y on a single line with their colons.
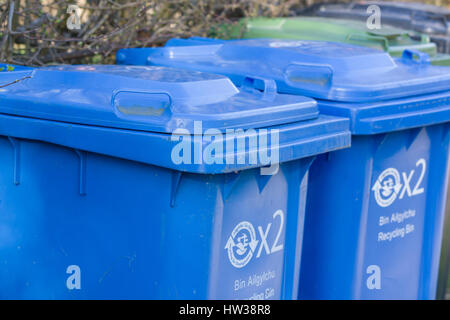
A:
x: 374, y: 216
x: 418, y: 17
x: 121, y: 182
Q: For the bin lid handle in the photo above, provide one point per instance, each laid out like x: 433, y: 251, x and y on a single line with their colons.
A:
x: 311, y: 74
x: 141, y: 103
x: 368, y: 37
x: 415, y: 56
x: 267, y: 86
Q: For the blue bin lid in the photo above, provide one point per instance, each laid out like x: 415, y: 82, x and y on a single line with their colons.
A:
x: 132, y: 113
x: 147, y: 98
x: 324, y: 70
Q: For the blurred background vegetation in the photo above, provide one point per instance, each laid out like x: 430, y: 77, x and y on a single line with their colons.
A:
x: 36, y: 33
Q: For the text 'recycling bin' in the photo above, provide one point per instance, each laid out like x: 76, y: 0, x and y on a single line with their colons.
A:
x: 375, y: 211
x: 125, y: 182
x: 415, y: 16
x: 387, y: 38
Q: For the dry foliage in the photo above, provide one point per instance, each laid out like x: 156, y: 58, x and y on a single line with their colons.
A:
x: 36, y: 33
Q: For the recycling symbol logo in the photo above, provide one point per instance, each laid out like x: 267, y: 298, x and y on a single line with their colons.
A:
x: 387, y: 187
x: 241, y: 244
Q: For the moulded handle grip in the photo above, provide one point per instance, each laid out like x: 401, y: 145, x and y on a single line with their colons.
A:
x: 383, y: 41
x: 388, y: 34
x: 415, y: 56
x: 142, y: 103
x: 267, y: 86
x: 308, y: 74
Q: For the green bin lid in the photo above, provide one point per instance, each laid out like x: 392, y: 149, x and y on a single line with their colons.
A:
x: 390, y: 39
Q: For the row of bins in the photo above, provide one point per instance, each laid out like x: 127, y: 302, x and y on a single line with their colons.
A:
x: 240, y: 169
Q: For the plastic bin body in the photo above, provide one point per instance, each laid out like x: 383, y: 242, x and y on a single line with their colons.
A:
x: 130, y: 243
x: 391, y: 184
x: 96, y: 211
x: 419, y: 17
x: 389, y: 39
